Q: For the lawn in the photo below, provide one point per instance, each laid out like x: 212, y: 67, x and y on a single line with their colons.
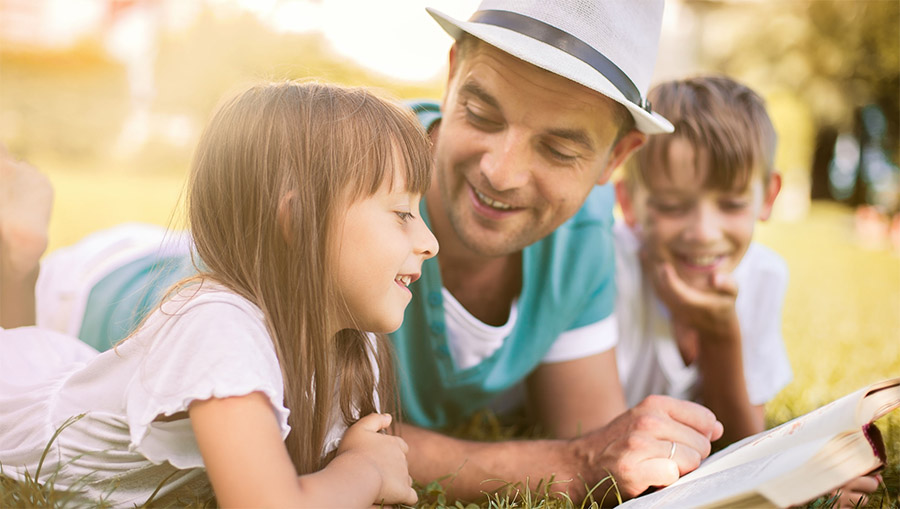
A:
x: 841, y: 316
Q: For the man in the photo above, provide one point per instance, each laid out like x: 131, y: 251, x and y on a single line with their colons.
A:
x: 544, y: 100
x: 535, y: 115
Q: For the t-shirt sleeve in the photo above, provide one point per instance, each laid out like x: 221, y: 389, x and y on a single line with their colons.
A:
x: 760, y: 301
x: 211, y: 347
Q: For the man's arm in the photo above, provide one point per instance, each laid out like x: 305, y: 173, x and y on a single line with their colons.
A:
x: 577, y: 396
x: 634, y: 448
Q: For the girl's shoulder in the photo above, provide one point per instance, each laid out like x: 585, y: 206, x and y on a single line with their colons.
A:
x: 205, y: 296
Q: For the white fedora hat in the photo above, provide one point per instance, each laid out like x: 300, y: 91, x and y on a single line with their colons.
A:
x: 606, y: 45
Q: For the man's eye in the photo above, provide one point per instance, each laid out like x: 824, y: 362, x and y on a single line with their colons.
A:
x: 560, y: 156
x: 479, y: 121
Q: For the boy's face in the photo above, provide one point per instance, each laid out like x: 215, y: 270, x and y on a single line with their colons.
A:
x: 700, y: 231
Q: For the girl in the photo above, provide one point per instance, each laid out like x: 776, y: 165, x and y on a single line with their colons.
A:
x: 303, y: 206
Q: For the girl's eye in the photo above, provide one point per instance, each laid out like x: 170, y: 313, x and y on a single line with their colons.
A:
x: 404, y: 216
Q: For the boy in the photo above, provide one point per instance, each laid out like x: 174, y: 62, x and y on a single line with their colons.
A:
x: 690, y: 201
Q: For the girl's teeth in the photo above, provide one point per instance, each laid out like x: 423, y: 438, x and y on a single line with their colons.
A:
x: 492, y: 203
x: 405, y: 280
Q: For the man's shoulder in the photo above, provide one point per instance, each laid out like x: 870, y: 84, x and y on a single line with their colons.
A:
x: 426, y: 110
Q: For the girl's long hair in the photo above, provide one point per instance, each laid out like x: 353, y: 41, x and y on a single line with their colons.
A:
x: 276, y: 167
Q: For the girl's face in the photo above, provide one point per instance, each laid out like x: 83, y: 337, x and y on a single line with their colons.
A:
x: 382, y: 242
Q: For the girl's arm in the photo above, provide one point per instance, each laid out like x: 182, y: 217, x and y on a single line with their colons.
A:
x: 248, y: 464
x: 26, y: 198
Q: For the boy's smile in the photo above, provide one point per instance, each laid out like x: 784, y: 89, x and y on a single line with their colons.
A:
x: 700, y: 231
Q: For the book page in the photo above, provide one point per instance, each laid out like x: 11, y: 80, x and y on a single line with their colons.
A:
x: 845, y: 414
x: 824, y: 422
x: 742, y: 479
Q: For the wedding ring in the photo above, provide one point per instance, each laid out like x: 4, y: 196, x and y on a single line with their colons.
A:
x: 672, y: 450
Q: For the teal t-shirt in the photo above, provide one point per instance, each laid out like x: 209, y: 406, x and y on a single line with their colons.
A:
x: 568, y: 282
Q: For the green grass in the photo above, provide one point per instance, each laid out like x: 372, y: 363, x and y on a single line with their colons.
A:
x: 841, y: 315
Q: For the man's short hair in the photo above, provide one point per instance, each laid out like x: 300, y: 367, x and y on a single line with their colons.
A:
x: 724, y: 118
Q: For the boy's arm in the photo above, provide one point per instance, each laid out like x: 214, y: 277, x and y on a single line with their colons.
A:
x: 705, y: 323
x: 26, y: 198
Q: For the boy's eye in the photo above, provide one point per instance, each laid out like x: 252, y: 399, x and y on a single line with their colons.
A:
x: 733, y: 205
x: 669, y: 208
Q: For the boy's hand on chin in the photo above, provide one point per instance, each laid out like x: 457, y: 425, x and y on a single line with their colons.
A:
x: 708, y: 310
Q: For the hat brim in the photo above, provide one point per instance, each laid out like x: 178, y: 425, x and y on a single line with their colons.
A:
x: 554, y: 60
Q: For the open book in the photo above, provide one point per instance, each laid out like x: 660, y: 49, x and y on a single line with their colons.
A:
x: 793, y: 463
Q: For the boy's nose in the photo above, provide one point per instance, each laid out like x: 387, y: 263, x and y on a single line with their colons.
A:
x: 706, y: 224
x: 507, y: 162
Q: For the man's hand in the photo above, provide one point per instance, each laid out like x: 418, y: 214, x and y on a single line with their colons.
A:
x: 637, y: 447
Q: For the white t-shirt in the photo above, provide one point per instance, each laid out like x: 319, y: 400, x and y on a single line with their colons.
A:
x: 201, y: 344
x: 471, y: 341
x: 647, y: 355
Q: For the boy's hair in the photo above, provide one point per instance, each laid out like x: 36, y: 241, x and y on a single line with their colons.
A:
x: 273, y: 173
x: 724, y: 118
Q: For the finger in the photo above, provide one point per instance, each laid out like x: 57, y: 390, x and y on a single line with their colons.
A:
x: 687, y: 458
x: 404, y: 447
x: 411, y: 498
x: 725, y: 284
x: 865, y: 484
x: 374, y: 422
x: 659, y: 471
x: 693, y: 415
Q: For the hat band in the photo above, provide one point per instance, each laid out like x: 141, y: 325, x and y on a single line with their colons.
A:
x: 567, y: 43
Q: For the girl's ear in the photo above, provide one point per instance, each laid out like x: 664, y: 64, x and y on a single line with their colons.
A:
x: 770, y: 193
x: 285, y: 216
x: 623, y: 196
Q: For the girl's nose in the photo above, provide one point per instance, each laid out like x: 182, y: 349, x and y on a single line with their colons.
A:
x: 426, y: 245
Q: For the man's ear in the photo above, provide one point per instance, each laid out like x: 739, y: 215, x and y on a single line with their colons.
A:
x: 625, y: 146
x: 453, y: 61
x: 626, y: 203
x: 769, y: 195
x: 285, y: 216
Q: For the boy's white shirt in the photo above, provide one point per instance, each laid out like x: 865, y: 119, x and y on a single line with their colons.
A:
x: 648, y: 358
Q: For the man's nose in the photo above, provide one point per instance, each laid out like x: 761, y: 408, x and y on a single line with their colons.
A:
x: 507, y: 164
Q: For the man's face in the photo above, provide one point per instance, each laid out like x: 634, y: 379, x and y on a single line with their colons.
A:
x: 700, y: 231
x: 519, y: 149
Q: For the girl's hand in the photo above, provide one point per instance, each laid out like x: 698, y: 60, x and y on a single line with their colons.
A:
x: 386, y: 454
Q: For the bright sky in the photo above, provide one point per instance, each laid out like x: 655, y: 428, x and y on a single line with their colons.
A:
x: 395, y: 37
